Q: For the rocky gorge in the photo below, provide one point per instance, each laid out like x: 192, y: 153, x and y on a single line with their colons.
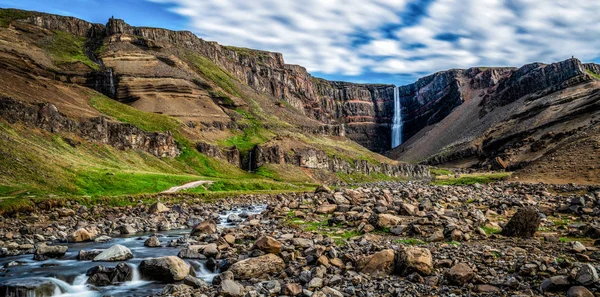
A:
x: 386, y: 239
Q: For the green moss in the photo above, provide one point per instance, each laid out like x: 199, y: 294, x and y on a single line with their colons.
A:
x: 66, y: 48
x: 490, y: 230
x: 214, y: 73
x: 357, y: 177
x: 7, y: 16
x: 472, y: 179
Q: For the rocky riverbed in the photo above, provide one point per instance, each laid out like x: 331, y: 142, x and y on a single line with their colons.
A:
x: 386, y: 239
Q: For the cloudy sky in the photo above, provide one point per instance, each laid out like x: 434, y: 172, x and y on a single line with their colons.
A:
x: 389, y: 41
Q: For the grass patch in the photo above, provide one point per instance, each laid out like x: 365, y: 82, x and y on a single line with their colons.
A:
x: 357, y: 177
x: 214, y: 73
x: 410, y: 241
x: 66, y: 48
x: 454, y: 243
x: 471, y: 179
x: 254, y: 134
x: 491, y: 230
x: 252, y: 185
x: 7, y: 16
x: 440, y: 171
x: 595, y: 75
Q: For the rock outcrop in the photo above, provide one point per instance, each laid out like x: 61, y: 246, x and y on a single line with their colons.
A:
x: 100, y: 129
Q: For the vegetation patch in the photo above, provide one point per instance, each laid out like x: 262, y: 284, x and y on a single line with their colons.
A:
x: 254, y: 134
x: 440, y: 171
x: 7, y: 16
x: 597, y: 76
x: 214, y: 73
x: 491, y: 230
x: 66, y: 48
x: 469, y: 179
x: 410, y: 241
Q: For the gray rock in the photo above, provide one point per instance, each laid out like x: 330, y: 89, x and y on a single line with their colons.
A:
x: 587, y: 275
x: 579, y: 291
x: 44, y: 252
x: 555, y: 283
x: 152, y: 242
x: 231, y: 288
x: 523, y: 224
x: 115, y: 253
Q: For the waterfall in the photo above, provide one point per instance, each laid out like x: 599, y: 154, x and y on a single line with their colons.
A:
x: 250, y: 162
x: 111, y: 80
x: 397, y: 121
x: 135, y: 274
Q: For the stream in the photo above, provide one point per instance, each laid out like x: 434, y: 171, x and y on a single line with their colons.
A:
x: 69, y: 274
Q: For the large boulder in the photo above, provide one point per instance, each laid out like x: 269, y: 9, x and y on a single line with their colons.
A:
x: 84, y: 255
x: 579, y: 291
x: 115, y: 253
x: 587, y: 275
x: 523, y: 224
x: 206, y: 227
x: 460, y: 274
x: 82, y: 235
x: 555, y: 284
x: 44, y: 252
x: 386, y: 220
x: 322, y: 189
x: 152, y: 242
x: 259, y: 267
x: 101, y: 276
x: 268, y: 244
x: 326, y: 209
x: 378, y: 264
x: 165, y: 269
x: 413, y: 259
x: 158, y: 208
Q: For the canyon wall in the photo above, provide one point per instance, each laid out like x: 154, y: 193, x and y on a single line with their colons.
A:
x: 364, y: 110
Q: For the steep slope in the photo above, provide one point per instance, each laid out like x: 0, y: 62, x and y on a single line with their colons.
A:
x: 202, y: 108
x: 499, y: 117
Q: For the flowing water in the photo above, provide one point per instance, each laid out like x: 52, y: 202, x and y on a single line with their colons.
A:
x: 397, y: 121
x: 69, y: 274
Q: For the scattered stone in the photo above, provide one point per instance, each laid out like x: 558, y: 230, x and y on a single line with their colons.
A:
x: 268, y: 244
x: 587, y: 275
x: 555, y: 283
x: 414, y: 259
x: 158, y: 208
x: 152, y: 241
x: 44, y: 252
x: 259, y: 267
x: 206, y: 227
x: 378, y: 264
x: 579, y: 291
x: 460, y: 274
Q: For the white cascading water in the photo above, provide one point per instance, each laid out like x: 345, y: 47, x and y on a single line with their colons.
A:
x: 113, y: 91
x: 397, y: 121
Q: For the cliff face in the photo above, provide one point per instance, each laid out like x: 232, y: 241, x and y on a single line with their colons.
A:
x: 363, y: 111
x: 499, y: 117
x: 100, y: 129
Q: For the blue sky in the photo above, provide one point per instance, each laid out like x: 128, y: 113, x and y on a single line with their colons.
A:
x: 377, y: 41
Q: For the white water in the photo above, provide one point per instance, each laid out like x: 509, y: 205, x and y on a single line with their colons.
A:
x: 113, y: 91
x: 397, y: 121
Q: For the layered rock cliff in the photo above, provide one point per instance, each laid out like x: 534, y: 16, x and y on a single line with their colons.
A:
x: 46, y: 116
x: 363, y: 111
x: 499, y: 117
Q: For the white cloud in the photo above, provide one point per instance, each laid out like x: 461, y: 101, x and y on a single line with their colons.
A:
x: 320, y: 35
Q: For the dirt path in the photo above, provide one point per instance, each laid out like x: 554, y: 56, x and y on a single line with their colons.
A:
x: 188, y: 186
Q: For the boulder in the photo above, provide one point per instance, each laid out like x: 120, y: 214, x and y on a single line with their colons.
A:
x: 152, y: 242
x: 230, y: 288
x: 292, y: 289
x: 460, y: 274
x: 259, y: 267
x: 555, y: 283
x: 413, y: 259
x: 158, y: 208
x: 268, y: 244
x: 579, y: 291
x: 378, y: 264
x: 165, y: 269
x: 322, y: 189
x: 587, y: 275
x: 88, y: 255
x: 386, y: 220
x: 188, y: 253
x: 523, y: 224
x: 40, y: 287
x: 127, y: 229
x: 206, y: 227
x: 82, y: 235
x: 115, y: 253
x: 44, y: 252
x: 194, y: 282
x: 326, y: 209
x: 102, y: 276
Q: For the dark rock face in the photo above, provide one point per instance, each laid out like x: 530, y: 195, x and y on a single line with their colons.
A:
x: 433, y: 97
x: 523, y: 224
x: 122, y: 136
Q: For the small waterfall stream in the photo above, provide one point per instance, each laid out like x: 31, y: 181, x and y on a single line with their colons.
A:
x: 111, y: 80
x: 397, y: 121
